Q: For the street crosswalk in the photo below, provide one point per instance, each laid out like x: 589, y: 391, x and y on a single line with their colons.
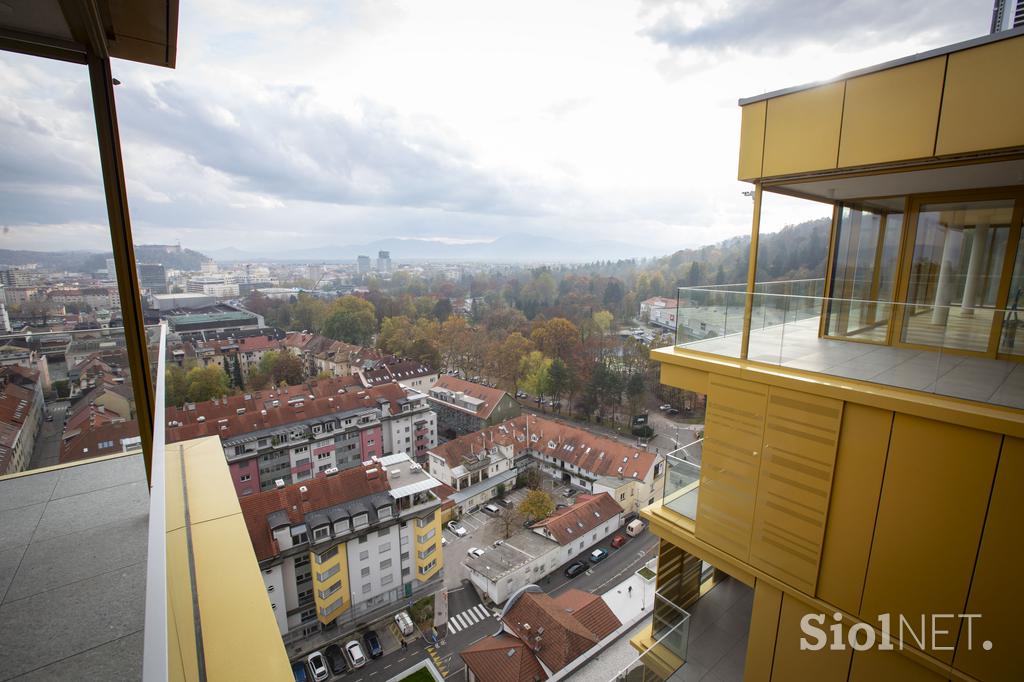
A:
x: 468, y: 618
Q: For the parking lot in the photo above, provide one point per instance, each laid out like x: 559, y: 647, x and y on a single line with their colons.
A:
x: 388, y: 634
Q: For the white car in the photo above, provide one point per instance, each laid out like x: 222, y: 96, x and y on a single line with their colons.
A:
x: 444, y: 541
x: 474, y: 552
x: 317, y: 666
x: 664, y: 407
x: 355, y: 654
x: 459, y: 531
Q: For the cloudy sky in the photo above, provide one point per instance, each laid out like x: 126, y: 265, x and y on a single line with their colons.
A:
x: 344, y: 121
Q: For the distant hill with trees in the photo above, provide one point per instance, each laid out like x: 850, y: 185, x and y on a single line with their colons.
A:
x: 172, y: 257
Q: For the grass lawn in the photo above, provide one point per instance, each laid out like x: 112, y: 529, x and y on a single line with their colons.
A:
x: 421, y: 675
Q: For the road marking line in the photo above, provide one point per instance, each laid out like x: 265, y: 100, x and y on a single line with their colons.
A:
x: 453, y: 626
x: 484, y: 613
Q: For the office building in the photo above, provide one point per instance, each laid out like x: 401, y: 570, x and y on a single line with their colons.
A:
x: 152, y: 277
x: 1007, y: 14
x: 346, y: 547
x: 362, y: 264
x: 864, y: 450
x: 383, y: 261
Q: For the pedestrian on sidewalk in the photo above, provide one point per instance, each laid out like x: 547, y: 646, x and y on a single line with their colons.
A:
x: 630, y: 590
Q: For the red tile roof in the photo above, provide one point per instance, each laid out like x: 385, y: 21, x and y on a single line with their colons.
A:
x: 330, y: 396
x: 590, y: 610
x: 490, y: 396
x: 553, y: 630
x: 503, y: 659
x: 575, y: 521
x: 103, y: 439
x: 597, y: 455
x: 16, y: 402
x: 321, y: 492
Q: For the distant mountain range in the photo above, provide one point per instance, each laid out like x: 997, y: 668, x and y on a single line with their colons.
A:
x: 171, y: 257
x: 514, y: 248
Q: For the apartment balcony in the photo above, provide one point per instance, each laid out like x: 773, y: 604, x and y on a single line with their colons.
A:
x: 956, y: 350
x: 115, y: 576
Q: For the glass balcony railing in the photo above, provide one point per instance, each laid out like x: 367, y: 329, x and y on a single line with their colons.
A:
x: 963, y: 352
x: 682, y: 479
x: 663, y: 644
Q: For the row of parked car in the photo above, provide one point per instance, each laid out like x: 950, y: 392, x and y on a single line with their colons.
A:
x: 633, y: 528
x: 337, y: 660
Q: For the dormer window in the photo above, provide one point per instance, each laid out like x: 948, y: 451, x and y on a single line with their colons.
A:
x: 321, y: 533
x: 360, y: 520
x: 384, y: 512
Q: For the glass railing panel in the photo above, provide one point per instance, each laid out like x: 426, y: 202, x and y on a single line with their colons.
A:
x: 77, y: 390
x: 956, y: 358
x: 682, y: 479
x: 665, y: 648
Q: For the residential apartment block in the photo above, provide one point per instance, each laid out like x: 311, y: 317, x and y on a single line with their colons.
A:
x: 531, y: 554
x: 464, y: 407
x: 295, y: 433
x: 476, y: 464
x: 864, y: 447
x: 21, y: 413
x: 347, y: 547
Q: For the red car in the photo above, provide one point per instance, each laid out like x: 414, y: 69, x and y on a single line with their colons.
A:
x: 618, y: 541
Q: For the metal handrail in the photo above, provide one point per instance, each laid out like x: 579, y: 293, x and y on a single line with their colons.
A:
x: 154, y: 658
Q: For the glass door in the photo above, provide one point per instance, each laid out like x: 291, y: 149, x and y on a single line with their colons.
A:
x: 956, y: 265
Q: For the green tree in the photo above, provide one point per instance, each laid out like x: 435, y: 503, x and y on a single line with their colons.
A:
x: 175, y: 386
x: 426, y: 352
x: 536, y: 373
x: 205, y: 383
x: 442, y: 309
x: 236, y: 374
x: 559, y: 378
x: 351, y: 319
x: 536, y: 505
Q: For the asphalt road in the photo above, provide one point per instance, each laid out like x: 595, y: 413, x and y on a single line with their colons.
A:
x: 46, y: 451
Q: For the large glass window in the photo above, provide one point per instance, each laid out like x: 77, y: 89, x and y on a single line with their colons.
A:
x: 1011, y: 339
x: 958, y: 256
x: 864, y: 271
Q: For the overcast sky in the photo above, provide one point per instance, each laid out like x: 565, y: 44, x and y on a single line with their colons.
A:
x: 340, y: 122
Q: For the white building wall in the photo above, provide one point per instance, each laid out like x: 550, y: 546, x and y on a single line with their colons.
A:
x: 273, y: 581
x: 371, y: 584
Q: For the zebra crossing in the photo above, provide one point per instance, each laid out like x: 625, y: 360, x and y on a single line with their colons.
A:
x: 468, y: 618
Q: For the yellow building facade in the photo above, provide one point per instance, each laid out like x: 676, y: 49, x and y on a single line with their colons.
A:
x: 863, y: 455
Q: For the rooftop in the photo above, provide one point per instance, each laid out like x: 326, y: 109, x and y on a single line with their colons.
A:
x: 518, y: 550
x: 480, y: 400
x: 587, y: 513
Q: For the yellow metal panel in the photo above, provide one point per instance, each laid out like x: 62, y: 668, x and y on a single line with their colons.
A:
x: 997, y: 592
x: 206, y: 470
x: 801, y: 431
x: 764, y: 621
x: 802, y: 131
x: 938, y: 478
x: 856, y: 487
x: 882, y: 666
x: 983, y: 100
x: 181, y: 643
x: 793, y: 664
x: 892, y: 115
x: 684, y: 378
x: 734, y: 428
x: 233, y: 604
x: 752, y: 140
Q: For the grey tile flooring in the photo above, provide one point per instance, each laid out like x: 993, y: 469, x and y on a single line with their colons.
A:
x: 73, y: 572
x: 719, y: 624
x: 798, y: 346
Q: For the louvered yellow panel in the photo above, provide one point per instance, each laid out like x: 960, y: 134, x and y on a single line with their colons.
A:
x: 801, y: 433
x: 734, y: 426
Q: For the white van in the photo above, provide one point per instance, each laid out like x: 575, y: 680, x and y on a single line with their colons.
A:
x: 635, y: 528
x: 404, y: 623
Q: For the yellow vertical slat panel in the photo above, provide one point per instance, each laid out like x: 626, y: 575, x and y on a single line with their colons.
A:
x: 997, y: 593
x: 802, y: 130
x: 983, y: 100
x: 733, y: 431
x: 764, y: 624
x: 938, y: 477
x: 824, y: 665
x: 856, y: 487
x: 795, y: 478
x: 752, y: 140
x: 892, y: 115
x: 873, y: 665
x: 684, y: 378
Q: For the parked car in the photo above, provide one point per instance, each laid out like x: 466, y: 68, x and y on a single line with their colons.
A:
x: 521, y: 394
x: 404, y: 623
x: 474, y: 552
x: 491, y: 509
x: 354, y: 652
x: 664, y: 407
x: 671, y: 410
x: 373, y: 644
x: 505, y: 503
x: 317, y: 666
x: 635, y: 527
x: 618, y: 541
x: 598, y: 555
x: 299, y: 672
x: 574, y: 569
x: 630, y: 518
x: 457, y: 529
x: 335, y: 660
x: 538, y: 400
x: 561, y: 506
x: 49, y: 417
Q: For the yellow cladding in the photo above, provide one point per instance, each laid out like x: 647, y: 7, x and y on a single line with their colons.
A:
x: 802, y: 130
x: 340, y: 576
x: 434, y: 541
x: 983, y: 100
x: 966, y: 102
x: 892, y: 115
x: 233, y: 610
x: 752, y: 140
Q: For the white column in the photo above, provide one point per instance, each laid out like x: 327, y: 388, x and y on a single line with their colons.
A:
x: 944, y: 289
x: 974, y: 269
